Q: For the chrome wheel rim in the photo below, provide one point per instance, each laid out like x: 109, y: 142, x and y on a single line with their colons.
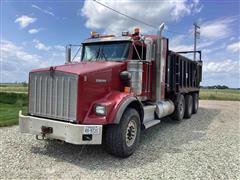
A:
x: 181, y: 108
x: 196, y: 104
x: 131, y: 133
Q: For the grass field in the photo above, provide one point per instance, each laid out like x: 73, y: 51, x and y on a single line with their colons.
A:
x: 9, y: 113
x: 220, y: 94
x: 208, y: 94
x: 20, y: 88
x: 11, y: 103
x: 14, y: 89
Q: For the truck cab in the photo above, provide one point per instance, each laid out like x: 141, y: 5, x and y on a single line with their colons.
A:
x: 121, y: 86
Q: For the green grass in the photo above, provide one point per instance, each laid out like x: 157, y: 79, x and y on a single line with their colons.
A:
x: 10, y: 104
x: 220, y: 94
x: 14, y: 87
x: 9, y: 113
x: 18, y: 89
x: 14, y: 98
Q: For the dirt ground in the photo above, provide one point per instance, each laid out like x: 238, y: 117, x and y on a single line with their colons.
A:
x: 203, y: 147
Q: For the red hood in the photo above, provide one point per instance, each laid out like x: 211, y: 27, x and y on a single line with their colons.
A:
x: 82, y: 67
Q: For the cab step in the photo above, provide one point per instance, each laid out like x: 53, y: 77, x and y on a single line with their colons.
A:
x: 151, y: 123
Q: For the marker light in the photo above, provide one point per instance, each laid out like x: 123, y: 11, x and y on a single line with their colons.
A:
x: 100, y: 110
x: 125, y: 33
x: 94, y: 34
x: 136, y: 30
x: 106, y: 36
x: 127, y: 89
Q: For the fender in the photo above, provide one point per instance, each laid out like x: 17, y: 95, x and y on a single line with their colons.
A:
x: 116, y: 102
x: 122, y: 107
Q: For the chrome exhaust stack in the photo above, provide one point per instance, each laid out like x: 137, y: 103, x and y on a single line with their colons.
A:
x: 158, y: 63
x: 163, y: 107
x: 68, y: 54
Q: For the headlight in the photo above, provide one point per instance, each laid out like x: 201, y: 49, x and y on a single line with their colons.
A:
x: 100, y: 110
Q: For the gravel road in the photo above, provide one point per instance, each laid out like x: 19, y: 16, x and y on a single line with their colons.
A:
x: 203, y: 147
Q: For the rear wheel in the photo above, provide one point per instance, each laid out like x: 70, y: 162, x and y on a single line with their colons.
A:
x: 179, y: 108
x: 188, y: 106
x: 122, y: 139
x: 195, y: 103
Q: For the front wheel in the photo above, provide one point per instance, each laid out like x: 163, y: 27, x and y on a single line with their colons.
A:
x: 122, y: 139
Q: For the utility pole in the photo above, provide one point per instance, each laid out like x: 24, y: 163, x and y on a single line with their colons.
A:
x: 196, y: 36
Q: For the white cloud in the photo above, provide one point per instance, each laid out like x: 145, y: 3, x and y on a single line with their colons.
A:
x: 215, y: 48
x: 59, y: 47
x: 178, y: 43
x: 234, y: 47
x: 226, y: 66
x: 17, y: 61
x: 24, y: 21
x: 11, y: 51
x: 217, y: 29
x: 41, y: 46
x: 98, y: 17
x: 33, y: 31
x: 43, y: 10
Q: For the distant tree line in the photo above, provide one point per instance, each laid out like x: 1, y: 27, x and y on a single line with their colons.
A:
x: 23, y: 84
x: 215, y: 87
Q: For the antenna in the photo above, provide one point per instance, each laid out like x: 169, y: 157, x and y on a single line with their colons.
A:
x: 196, y: 36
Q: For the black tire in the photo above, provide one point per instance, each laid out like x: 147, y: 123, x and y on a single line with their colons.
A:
x: 116, y: 138
x: 188, y: 106
x: 195, y: 103
x: 179, y: 108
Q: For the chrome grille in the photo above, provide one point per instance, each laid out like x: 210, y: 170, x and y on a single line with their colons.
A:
x: 53, y: 95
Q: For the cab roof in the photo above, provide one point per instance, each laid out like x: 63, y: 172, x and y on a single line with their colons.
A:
x: 108, y: 39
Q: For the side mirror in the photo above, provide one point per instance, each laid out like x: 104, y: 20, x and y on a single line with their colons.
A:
x: 68, y: 54
x: 125, y: 75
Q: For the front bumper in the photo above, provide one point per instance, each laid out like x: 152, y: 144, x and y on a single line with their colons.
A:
x: 68, y: 132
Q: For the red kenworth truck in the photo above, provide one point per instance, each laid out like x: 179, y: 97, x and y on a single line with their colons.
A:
x: 121, y: 86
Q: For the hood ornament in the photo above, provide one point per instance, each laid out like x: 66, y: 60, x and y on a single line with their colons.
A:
x: 52, y: 69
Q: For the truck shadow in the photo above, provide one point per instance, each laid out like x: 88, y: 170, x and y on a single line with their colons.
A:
x: 166, y: 138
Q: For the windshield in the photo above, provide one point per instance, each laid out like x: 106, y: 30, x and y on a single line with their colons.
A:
x: 108, y: 51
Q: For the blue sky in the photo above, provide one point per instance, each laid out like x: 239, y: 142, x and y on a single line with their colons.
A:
x: 34, y: 33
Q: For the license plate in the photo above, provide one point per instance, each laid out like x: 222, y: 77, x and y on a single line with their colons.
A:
x: 91, y: 130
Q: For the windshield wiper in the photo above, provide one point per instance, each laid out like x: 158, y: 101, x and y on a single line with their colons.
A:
x: 90, y: 59
x: 98, y: 52
x: 101, y: 54
x: 104, y: 55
